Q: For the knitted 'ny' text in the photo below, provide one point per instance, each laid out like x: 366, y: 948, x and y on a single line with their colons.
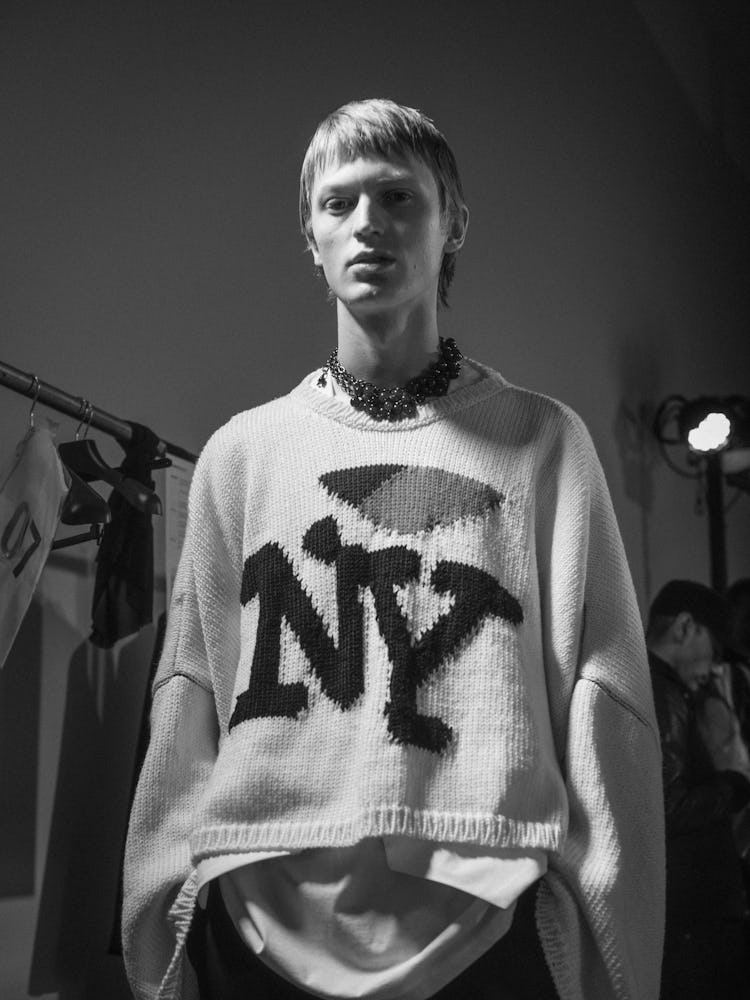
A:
x: 400, y: 497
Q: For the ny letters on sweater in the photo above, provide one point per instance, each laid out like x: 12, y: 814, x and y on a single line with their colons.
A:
x: 405, y: 499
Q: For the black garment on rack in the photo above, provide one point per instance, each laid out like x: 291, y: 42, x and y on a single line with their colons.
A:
x: 124, y: 586
x: 115, y: 942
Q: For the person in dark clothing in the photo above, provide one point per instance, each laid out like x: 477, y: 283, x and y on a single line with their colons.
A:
x: 738, y: 676
x: 738, y: 652
x: 704, y: 952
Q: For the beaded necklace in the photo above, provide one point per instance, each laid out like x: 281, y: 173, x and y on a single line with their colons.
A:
x: 399, y: 402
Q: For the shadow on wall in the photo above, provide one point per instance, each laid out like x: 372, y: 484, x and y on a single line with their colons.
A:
x: 20, y: 680
x: 639, y: 369
x: 77, y: 936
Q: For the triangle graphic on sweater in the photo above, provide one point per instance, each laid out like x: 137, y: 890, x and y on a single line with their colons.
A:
x: 411, y: 499
x: 354, y: 485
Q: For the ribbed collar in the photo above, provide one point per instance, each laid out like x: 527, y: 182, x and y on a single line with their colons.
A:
x: 339, y: 408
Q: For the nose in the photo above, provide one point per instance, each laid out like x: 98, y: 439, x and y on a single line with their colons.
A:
x: 368, y: 220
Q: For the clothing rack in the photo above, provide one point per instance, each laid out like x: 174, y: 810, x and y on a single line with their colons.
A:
x: 77, y: 407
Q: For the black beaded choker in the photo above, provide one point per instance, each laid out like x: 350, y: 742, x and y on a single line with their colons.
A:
x: 402, y: 401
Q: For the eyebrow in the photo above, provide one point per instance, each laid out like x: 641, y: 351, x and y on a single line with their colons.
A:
x: 405, y: 176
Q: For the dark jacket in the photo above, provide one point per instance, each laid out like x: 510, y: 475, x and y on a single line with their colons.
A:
x: 704, y: 880
x: 740, y: 674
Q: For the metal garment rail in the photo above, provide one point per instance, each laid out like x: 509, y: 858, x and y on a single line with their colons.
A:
x: 77, y: 407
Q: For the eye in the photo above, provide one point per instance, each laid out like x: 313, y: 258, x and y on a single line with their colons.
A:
x: 398, y: 197
x: 336, y: 205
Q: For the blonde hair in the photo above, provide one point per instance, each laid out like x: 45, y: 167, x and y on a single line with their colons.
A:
x: 381, y: 127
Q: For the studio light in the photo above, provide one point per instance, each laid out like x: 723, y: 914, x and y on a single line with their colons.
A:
x: 708, y: 424
x: 711, y: 435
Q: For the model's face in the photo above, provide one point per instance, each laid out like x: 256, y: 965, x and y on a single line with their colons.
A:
x: 378, y: 233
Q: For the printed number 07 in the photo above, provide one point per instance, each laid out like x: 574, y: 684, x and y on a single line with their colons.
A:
x: 14, y: 534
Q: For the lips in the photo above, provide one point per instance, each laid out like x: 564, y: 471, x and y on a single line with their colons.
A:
x: 371, y: 257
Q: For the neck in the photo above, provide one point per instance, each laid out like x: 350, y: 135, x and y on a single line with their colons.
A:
x: 384, y: 350
x: 663, y: 651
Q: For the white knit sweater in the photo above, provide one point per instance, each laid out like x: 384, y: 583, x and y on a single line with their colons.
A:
x: 424, y: 628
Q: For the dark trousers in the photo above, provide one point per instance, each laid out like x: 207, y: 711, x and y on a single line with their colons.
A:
x: 227, y: 969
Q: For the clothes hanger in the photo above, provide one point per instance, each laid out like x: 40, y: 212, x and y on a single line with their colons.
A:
x: 94, y: 534
x: 83, y: 505
x: 84, y: 461
x: 83, y: 458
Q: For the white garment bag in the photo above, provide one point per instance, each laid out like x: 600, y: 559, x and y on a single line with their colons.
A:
x: 32, y: 493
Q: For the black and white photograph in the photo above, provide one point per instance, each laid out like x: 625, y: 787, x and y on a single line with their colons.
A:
x: 374, y: 500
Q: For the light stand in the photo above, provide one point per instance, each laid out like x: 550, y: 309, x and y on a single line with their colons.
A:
x: 679, y: 421
x: 717, y: 535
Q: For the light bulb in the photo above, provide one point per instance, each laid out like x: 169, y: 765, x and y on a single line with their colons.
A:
x: 711, y: 434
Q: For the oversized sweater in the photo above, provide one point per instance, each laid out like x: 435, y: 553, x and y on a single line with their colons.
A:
x: 424, y: 628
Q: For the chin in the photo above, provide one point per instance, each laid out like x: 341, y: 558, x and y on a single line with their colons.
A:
x: 372, y: 295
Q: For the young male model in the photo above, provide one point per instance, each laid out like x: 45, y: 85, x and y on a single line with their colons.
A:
x: 403, y: 740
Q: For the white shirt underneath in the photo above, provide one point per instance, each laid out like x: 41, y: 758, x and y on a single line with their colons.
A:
x: 386, y: 918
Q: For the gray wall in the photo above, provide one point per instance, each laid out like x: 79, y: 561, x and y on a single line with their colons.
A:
x: 151, y: 263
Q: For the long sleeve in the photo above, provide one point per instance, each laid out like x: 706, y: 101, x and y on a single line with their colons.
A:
x: 159, y: 880
x: 158, y: 892
x: 601, y: 908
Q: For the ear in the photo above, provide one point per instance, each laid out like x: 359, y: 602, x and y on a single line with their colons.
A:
x: 457, y: 231
x: 313, y: 248
x: 682, y: 627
